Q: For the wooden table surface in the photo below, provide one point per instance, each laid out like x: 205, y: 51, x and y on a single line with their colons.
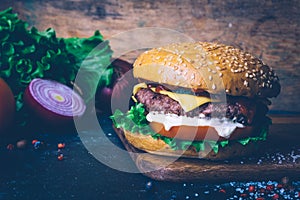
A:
x: 268, y: 29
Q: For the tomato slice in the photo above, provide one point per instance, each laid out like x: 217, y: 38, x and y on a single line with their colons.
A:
x: 199, y: 133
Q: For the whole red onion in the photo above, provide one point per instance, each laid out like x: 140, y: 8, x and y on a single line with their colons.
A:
x: 105, y: 94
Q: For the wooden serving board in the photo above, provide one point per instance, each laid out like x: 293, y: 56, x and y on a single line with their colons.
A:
x: 277, y: 159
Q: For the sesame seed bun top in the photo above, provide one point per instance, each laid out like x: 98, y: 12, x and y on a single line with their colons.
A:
x: 208, y: 66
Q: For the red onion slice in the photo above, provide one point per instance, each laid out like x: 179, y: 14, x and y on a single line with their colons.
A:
x: 54, y: 97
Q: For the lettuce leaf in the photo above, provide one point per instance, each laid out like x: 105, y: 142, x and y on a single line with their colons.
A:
x: 27, y: 53
x: 93, y: 56
x: 135, y: 121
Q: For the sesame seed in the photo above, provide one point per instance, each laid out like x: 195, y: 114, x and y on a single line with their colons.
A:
x: 264, y: 76
x: 210, y: 78
x: 214, y: 86
x: 220, y: 74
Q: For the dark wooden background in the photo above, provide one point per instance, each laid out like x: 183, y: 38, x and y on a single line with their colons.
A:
x: 270, y: 29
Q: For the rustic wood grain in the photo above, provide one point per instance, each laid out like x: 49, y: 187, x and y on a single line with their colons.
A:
x: 283, y: 137
x: 268, y: 29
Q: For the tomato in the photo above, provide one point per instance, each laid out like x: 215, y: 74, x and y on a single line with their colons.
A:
x: 7, y: 106
x: 199, y: 133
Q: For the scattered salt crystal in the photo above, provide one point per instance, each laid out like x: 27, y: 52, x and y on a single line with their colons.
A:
x: 232, y: 183
x: 281, y: 190
x: 259, y: 162
x: 294, y: 157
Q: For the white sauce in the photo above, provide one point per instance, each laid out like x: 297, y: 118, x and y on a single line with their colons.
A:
x: 224, y: 126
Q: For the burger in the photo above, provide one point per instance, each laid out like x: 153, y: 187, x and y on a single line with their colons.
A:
x: 200, y: 100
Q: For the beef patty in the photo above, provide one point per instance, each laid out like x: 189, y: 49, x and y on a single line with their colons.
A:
x: 240, y: 109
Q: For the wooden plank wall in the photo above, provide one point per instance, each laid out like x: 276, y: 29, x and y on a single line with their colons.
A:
x: 269, y: 29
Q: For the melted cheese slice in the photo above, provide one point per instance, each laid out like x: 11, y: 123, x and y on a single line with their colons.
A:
x: 188, y: 102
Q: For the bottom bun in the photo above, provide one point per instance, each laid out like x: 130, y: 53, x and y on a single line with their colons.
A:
x: 159, y: 147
